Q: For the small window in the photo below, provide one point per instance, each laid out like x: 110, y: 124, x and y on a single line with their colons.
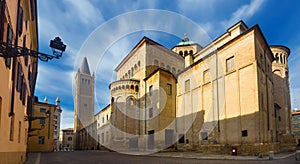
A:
x: 186, y: 53
x: 162, y: 65
x: 69, y: 138
x: 168, y: 68
x: 230, y: 64
x: 151, y: 90
x: 107, y: 117
x: 187, y: 85
x: 12, y: 125
x: 135, y: 67
x: 102, y: 119
x: 20, y: 77
x: 132, y: 72
x: 9, y: 41
x: 206, y: 76
x: 169, y: 89
x: 19, y: 132
x: 150, y: 112
x: 42, y: 121
x: 174, y: 70
x: 181, y: 138
x: 244, y: 133
x: 42, y: 110
x: 32, y: 8
x: 204, y: 136
x: 41, y: 140
x: 156, y: 62
x: 180, y: 53
x: 20, y: 21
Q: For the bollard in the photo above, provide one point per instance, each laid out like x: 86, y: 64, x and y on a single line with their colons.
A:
x: 271, y: 155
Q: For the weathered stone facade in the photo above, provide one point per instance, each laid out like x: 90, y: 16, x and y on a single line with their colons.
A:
x: 209, y: 99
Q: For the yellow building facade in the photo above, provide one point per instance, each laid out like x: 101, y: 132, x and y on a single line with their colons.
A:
x: 67, y: 139
x: 296, y: 125
x: 41, y: 134
x: 18, y: 27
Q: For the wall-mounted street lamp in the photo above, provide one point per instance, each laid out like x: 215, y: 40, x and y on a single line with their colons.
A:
x: 9, y: 50
x: 31, y: 118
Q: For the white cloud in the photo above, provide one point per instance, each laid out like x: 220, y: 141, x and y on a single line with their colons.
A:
x: 67, y: 118
x: 243, y: 13
x: 54, y: 81
x: 85, y: 11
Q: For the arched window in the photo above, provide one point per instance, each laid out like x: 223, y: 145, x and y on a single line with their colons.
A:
x: 185, y: 53
x: 132, y: 72
x: 281, y: 58
x: 168, y: 68
x: 127, y: 86
x: 173, y: 70
x: 129, y: 75
x: 191, y: 52
x: 136, y: 88
x: 276, y: 57
x: 120, y: 87
x: 130, y: 101
x: 123, y: 87
x: 135, y: 67
x: 131, y: 87
x: 162, y: 65
x: 139, y: 63
x: 180, y: 53
x: 126, y: 75
x: 69, y: 139
x: 156, y: 63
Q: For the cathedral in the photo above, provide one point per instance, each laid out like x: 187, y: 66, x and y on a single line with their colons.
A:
x: 232, y: 93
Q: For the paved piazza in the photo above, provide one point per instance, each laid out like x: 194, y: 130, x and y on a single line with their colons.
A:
x: 95, y: 157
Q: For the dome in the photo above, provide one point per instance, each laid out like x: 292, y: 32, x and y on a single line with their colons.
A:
x: 185, y: 41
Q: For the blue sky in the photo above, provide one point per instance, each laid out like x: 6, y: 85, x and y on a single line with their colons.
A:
x: 75, y: 21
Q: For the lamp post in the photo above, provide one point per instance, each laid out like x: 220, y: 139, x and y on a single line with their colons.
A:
x: 8, y: 50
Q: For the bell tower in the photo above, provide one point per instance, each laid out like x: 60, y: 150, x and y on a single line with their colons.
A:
x: 187, y: 49
x: 281, y: 88
x: 83, y: 97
